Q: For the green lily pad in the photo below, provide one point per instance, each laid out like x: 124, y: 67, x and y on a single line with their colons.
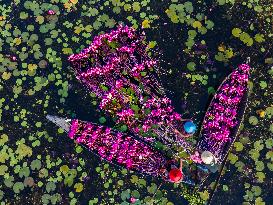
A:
x: 253, y: 120
x: 50, y: 186
x: 260, y: 176
x: 125, y: 195
x: 46, y: 198
x: 78, y: 187
x: 263, y: 84
x: 3, y: 169
x: 23, y: 15
x: 152, y: 189
x: 254, y: 154
x: 36, y: 164
x: 102, y: 120
x: 271, y: 128
x: 259, y: 165
x: 236, y: 32
x: 256, y: 190
x: 18, y: 187
x: 259, y: 201
x: 3, y: 139
x: 225, y: 188
x: 204, y: 195
x: 238, y: 146
x: 9, y: 181
x: 258, y: 145
x: 191, y: 66
x: 269, y: 155
x: 233, y: 158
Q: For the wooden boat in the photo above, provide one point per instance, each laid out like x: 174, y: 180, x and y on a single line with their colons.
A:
x: 220, y: 155
x: 121, y: 149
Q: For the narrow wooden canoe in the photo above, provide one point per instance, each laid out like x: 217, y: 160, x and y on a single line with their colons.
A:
x: 224, y: 114
x: 121, y: 149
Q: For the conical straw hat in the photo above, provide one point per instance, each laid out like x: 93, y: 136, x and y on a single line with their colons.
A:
x: 207, y: 157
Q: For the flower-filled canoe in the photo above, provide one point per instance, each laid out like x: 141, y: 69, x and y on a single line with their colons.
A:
x: 124, y: 150
x: 116, y: 68
x: 223, y: 116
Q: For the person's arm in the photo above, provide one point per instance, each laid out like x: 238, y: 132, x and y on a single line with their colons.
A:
x: 181, y: 164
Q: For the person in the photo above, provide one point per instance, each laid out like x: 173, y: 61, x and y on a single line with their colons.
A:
x: 172, y: 173
x: 176, y: 174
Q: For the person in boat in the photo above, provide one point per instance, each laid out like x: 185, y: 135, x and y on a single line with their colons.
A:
x: 171, y: 172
